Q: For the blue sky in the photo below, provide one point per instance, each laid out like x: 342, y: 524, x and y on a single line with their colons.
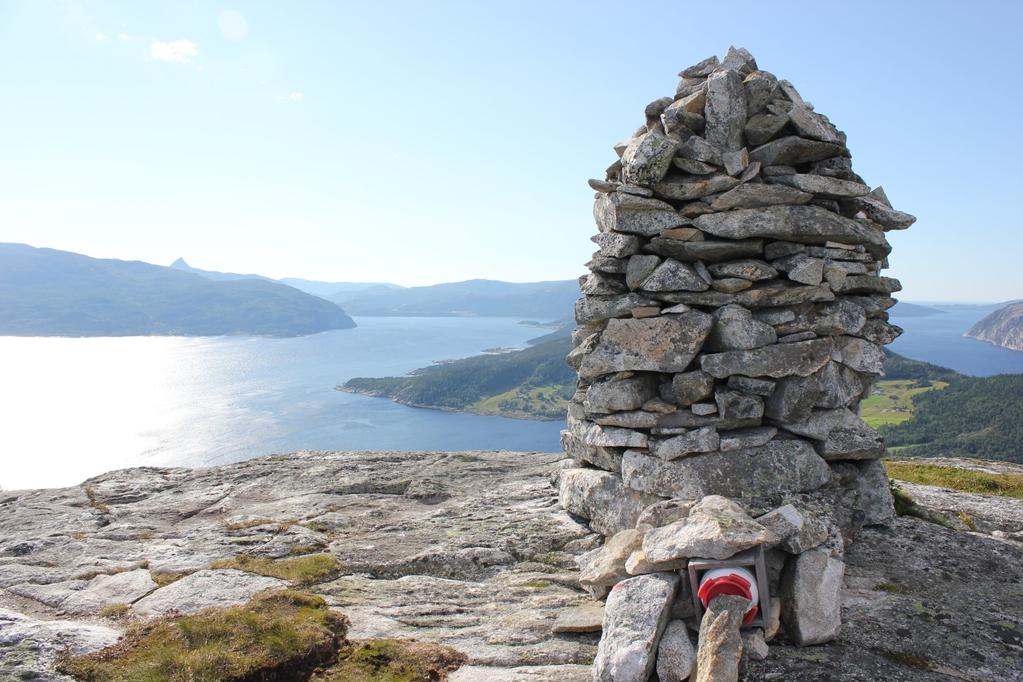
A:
x: 427, y: 142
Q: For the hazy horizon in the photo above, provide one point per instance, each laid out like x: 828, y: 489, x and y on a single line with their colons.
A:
x: 422, y: 144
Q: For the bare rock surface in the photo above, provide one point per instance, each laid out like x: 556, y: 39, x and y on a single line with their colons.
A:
x: 488, y: 569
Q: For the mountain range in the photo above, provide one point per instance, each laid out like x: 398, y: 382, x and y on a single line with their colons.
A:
x: 45, y: 292
x: 541, y: 301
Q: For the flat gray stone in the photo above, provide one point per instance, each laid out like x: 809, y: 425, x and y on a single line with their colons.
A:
x: 780, y: 466
x: 812, y: 597
x: 794, y: 151
x: 748, y: 268
x: 639, y: 268
x: 676, y: 655
x: 605, y: 565
x: 635, y: 615
x: 621, y: 212
x: 822, y: 185
x: 660, y: 344
x: 647, y: 158
x: 601, y: 497
x: 614, y: 395
x: 757, y: 195
x: 725, y: 110
x: 692, y: 387
x: 716, y: 528
x: 805, y: 224
x: 736, y: 329
x: 588, y: 617
x: 672, y: 275
x: 704, y: 439
x: 776, y: 361
x: 205, y: 589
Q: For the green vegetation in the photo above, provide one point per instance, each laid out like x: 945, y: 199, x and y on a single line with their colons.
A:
x: 891, y: 402
x: 955, y: 478
x: 972, y: 417
x: 979, y: 417
x: 534, y: 382
x: 393, y: 660
x: 164, y: 579
x: 302, y: 570
x: 548, y: 402
x: 44, y: 292
x: 276, y: 636
x: 891, y: 588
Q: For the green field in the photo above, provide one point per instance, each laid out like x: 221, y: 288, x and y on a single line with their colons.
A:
x: 956, y: 478
x: 891, y: 401
x: 546, y: 402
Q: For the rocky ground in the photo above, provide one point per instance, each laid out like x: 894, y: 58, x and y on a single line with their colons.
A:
x: 467, y: 549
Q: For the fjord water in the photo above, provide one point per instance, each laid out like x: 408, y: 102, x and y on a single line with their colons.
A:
x: 939, y: 339
x: 75, y: 408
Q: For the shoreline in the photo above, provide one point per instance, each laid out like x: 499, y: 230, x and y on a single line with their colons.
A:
x: 444, y: 408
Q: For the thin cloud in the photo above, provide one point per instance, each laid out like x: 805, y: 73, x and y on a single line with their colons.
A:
x: 102, y: 37
x: 232, y: 25
x: 293, y: 96
x: 181, y: 51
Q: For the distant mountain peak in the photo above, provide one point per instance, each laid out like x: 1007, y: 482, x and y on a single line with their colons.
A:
x: 180, y: 264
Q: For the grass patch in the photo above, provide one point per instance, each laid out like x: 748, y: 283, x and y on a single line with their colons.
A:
x: 543, y: 401
x: 536, y: 583
x: 301, y: 570
x: 94, y: 501
x: 393, y: 660
x: 276, y: 636
x: 891, y: 401
x: 114, y: 610
x: 955, y: 478
x: 165, y: 579
x: 891, y: 588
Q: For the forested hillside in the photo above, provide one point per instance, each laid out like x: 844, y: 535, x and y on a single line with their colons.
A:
x: 534, y: 382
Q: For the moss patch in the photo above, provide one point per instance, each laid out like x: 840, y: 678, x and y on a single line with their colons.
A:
x: 276, y: 636
x: 891, y: 588
x: 393, y: 660
x: 955, y: 478
x: 303, y: 570
x: 165, y: 579
x: 905, y: 506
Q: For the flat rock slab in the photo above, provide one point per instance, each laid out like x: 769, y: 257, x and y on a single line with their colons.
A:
x: 487, y: 570
x: 29, y: 646
x: 485, y: 562
x: 206, y: 589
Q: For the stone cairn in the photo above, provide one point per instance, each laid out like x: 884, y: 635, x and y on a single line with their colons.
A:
x: 732, y: 320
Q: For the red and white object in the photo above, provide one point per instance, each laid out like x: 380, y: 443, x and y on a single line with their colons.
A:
x: 732, y: 580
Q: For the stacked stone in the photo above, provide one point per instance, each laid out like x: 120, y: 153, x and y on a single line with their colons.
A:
x: 731, y: 323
